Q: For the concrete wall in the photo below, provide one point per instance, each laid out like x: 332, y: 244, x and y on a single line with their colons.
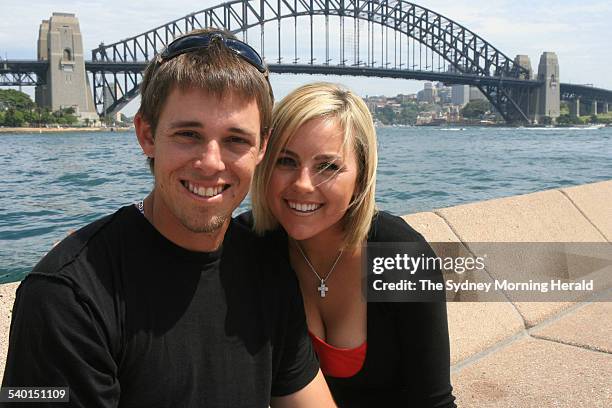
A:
x: 508, y: 354
x: 535, y: 354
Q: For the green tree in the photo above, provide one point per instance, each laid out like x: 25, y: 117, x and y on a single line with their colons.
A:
x: 476, y: 109
x: 409, y: 114
x: 567, y: 119
x: 46, y: 117
x: 547, y: 120
x: 71, y: 119
x: 386, y: 115
x: 12, y: 98
x: 68, y: 111
x: 14, y: 118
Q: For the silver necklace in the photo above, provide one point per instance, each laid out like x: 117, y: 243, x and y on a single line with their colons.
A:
x: 140, y: 206
x: 321, y: 288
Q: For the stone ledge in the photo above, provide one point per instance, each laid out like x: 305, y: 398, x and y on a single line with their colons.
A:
x: 536, y: 373
x: 546, y: 216
x: 595, y: 202
x: 7, y: 298
x: 589, y: 327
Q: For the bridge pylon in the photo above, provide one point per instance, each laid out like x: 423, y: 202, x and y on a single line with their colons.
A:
x: 67, y: 85
x: 548, y: 96
x: 524, y: 97
x: 541, y: 104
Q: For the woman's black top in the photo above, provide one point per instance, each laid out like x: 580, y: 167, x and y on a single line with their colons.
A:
x: 407, y: 361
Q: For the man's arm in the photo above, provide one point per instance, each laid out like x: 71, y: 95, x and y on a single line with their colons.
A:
x: 56, y: 340
x: 315, y: 394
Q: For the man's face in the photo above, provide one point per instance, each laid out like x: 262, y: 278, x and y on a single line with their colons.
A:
x: 205, y: 150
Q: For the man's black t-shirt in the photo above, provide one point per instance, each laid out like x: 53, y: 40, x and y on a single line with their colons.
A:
x: 125, y: 317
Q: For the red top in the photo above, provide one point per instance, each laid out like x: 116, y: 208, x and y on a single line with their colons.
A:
x: 339, y: 362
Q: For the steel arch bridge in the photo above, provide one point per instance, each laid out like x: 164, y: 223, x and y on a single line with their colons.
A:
x: 384, y: 38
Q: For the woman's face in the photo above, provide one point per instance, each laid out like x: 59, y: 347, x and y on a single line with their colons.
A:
x: 313, y: 180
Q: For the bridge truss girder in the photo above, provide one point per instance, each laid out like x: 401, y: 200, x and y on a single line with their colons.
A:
x: 463, y: 50
x: 20, y: 79
x: 585, y: 92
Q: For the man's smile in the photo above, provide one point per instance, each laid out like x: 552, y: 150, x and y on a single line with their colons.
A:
x: 205, y: 191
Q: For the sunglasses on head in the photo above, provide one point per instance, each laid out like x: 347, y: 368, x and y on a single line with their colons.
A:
x: 194, y: 42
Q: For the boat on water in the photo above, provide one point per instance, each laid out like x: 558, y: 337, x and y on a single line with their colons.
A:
x: 587, y: 127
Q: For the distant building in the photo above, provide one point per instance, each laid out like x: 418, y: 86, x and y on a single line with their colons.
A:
x: 476, y: 95
x: 428, y: 94
x: 460, y: 95
x: 445, y: 94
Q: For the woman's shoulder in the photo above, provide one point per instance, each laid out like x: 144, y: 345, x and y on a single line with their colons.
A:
x: 272, y: 237
x: 387, y: 227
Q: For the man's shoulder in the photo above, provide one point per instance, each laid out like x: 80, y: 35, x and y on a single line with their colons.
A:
x: 73, y: 254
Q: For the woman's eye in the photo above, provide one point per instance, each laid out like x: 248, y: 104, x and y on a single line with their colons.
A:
x: 286, y: 162
x: 328, y: 167
x: 238, y: 139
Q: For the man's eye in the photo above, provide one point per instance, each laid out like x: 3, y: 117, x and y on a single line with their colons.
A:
x: 187, y: 134
x: 286, y: 162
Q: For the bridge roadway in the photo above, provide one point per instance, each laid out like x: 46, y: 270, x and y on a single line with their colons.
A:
x: 446, y: 77
x: 568, y: 91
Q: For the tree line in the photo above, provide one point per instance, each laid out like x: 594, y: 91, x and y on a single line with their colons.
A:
x: 17, y: 109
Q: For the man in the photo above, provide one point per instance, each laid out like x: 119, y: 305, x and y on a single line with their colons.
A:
x: 170, y: 303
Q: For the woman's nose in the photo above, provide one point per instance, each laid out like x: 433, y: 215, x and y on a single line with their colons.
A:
x: 304, y: 181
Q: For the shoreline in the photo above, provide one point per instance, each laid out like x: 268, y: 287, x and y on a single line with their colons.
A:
x: 63, y: 129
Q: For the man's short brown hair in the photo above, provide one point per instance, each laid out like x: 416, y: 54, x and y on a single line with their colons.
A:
x: 214, y: 69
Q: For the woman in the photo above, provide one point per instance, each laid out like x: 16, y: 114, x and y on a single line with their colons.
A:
x: 313, y: 194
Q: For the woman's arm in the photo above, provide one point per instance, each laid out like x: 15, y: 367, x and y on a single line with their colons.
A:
x: 422, y: 328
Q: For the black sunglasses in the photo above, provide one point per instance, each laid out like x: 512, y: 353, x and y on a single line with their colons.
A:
x: 194, y: 42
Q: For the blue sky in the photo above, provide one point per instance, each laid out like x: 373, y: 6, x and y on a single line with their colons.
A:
x: 578, y: 31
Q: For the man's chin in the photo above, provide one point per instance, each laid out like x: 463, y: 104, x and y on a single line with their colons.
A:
x: 209, y: 226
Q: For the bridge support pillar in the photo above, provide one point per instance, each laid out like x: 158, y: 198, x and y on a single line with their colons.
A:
x: 575, y: 108
x: 525, y: 62
x: 524, y: 98
x: 594, y: 108
x: 548, y: 96
x: 604, y: 108
x: 60, y: 43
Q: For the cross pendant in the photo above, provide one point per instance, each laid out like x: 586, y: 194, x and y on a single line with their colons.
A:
x: 322, y: 288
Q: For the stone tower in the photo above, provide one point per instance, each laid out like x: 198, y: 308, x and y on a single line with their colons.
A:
x: 548, y: 96
x: 525, y: 98
x: 60, y: 43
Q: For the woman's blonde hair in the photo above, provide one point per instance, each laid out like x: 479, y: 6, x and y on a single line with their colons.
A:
x: 329, y: 101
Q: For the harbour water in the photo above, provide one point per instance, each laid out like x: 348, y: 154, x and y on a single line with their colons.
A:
x: 52, y: 183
